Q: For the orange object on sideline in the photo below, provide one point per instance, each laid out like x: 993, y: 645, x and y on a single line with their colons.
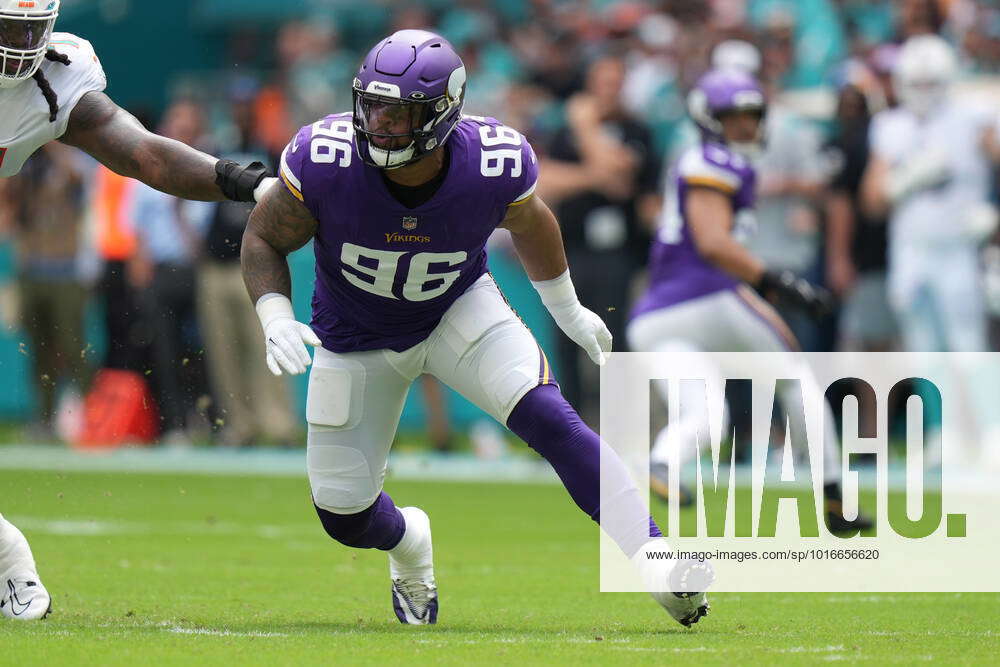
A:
x: 273, y: 123
x: 118, y: 410
x: 111, y: 201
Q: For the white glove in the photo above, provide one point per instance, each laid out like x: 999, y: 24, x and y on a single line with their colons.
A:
x: 927, y: 170
x: 262, y: 188
x: 979, y: 221
x: 284, y: 336
x: 584, y: 327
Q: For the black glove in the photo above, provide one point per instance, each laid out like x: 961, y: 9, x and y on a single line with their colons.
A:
x: 238, y: 182
x: 797, y: 292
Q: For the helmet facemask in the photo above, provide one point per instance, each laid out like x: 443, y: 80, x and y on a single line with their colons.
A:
x: 24, y: 39
x: 393, y: 132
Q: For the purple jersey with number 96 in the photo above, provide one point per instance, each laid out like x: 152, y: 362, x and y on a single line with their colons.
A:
x: 386, y: 273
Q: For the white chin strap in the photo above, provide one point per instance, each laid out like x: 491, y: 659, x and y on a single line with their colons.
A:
x: 390, y: 159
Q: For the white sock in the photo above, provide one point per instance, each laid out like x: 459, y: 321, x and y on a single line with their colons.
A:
x: 653, y: 571
x: 413, y: 557
x: 15, y: 554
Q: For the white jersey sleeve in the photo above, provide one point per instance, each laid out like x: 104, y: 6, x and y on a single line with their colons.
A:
x: 83, y: 75
x: 25, y: 123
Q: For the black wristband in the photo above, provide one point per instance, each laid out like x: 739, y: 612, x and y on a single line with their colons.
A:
x: 238, y: 182
x: 796, y: 292
x: 777, y: 281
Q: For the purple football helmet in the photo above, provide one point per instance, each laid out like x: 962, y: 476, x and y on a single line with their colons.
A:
x: 408, y: 97
x: 725, y: 91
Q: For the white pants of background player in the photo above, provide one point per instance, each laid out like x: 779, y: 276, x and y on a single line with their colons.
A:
x: 937, y: 295
x: 727, y: 321
x: 480, y: 349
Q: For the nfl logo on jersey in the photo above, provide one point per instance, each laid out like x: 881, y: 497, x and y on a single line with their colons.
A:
x: 409, y: 222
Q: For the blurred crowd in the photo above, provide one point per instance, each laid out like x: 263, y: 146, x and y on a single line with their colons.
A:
x: 167, y: 272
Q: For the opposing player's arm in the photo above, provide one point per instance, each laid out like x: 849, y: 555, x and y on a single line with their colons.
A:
x: 537, y: 239
x: 279, y: 225
x: 115, y: 138
x: 710, y: 217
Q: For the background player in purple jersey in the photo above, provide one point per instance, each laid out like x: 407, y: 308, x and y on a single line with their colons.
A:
x: 399, y: 198
x: 699, y: 298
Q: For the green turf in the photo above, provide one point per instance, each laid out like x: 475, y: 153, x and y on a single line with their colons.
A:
x: 200, y: 569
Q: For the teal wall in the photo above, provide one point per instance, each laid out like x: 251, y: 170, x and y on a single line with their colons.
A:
x: 16, y: 393
x: 143, y: 44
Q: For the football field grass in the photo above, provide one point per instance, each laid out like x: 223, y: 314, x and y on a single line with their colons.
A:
x: 182, y: 569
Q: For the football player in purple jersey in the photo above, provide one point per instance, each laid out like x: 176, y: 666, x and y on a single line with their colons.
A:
x: 701, y: 296
x: 399, y: 198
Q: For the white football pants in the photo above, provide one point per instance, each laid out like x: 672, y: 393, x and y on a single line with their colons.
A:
x: 481, y: 349
x: 937, y: 295
x: 728, y: 321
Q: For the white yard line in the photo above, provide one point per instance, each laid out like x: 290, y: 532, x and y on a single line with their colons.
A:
x: 221, y: 633
x: 100, y: 527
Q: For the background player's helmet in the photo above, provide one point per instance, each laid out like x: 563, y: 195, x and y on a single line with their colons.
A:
x: 923, y: 73
x: 725, y: 91
x: 25, y: 30
x: 408, y: 97
x: 737, y: 54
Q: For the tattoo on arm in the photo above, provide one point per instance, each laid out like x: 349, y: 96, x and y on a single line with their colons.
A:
x: 280, y: 224
x: 114, y: 137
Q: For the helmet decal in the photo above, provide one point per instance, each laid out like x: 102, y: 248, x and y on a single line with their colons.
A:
x: 456, y: 83
x: 384, y: 89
